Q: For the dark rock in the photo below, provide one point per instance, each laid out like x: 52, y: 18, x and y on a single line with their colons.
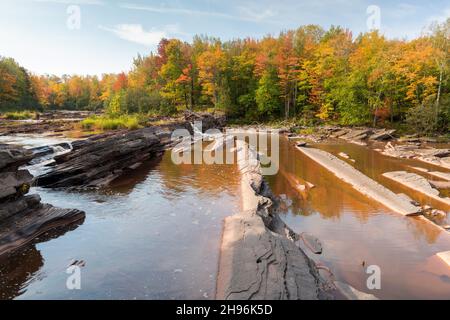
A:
x: 12, y: 157
x: 383, y: 134
x: 23, y: 227
x: 99, y: 161
x: 14, y: 183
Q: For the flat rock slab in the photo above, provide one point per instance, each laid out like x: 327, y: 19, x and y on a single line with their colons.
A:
x: 259, y: 259
x: 96, y: 163
x: 417, y: 183
x: 257, y: 264
x: 440, y: 162
x: 29, y: 224
x: 441, y: 175
x: 361, y: 182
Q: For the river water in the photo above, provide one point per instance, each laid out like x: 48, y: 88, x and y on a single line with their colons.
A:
x: 156, y: 233
x: 152, y: 235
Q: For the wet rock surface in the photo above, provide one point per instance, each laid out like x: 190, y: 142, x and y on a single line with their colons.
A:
x: 417, y: 183
x: 99, y: 160
x: 259, y: 256
x: 435, y: 156
x: 23, y: 217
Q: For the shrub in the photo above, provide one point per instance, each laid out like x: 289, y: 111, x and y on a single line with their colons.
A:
x: 21, y: 115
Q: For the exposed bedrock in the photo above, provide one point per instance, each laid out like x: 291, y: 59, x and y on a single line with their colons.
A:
x: 437, y: 157
x: 97, y: 162
x: 23, y: 217
x: 417, y: 183
x: 259, y: 258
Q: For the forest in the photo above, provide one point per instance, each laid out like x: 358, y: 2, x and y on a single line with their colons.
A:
x: 309, y: 75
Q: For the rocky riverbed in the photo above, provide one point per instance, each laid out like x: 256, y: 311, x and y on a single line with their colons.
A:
x: 23, y: 217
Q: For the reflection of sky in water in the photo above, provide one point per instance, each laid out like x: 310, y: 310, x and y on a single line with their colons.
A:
x: 155, y: 235
x: 354, y: 230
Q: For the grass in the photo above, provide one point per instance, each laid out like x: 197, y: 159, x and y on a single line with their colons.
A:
x: 106, y: 123
x: 20, y: 115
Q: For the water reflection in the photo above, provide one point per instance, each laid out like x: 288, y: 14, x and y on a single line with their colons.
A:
x: 154, y: 234
x: 357, y: 232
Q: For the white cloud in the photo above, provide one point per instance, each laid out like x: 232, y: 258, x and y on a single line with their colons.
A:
x: 136, y: 33
x: 74, y: 2
x: 253, y: 15
x: 244, y: 14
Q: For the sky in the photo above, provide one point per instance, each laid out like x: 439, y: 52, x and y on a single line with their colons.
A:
x: 103, y: 36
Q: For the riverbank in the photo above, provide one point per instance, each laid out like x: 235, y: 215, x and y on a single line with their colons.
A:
x: 257, y: 246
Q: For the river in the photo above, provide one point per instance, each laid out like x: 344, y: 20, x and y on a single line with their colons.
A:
x: 156, y: 233
x: 152, y: 235
x: 356, y: 232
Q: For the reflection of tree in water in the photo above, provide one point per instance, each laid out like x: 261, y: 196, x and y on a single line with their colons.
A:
x: 331, y: 197
x: 127, y: 182
x: 210, y: 179
x: 423, y: 229
x: 16, y: 269
x: 24, y: 264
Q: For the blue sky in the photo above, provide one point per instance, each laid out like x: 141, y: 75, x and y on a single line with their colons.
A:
x: 111, y: 33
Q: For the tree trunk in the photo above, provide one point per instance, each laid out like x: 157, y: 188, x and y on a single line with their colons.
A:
x: 438, y: 98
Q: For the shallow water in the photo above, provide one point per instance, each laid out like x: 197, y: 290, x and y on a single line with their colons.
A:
x: 152, y: 235
x: 356, y: 232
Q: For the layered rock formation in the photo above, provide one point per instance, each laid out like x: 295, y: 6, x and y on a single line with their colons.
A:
x: 23, y: 217
x: 259, y: 257
x: 97, y: 161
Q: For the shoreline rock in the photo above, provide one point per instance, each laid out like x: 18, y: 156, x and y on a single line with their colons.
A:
x: 259, y: 259
x: 97, y: 161
x: 417, y: 183
x: 23, y: 217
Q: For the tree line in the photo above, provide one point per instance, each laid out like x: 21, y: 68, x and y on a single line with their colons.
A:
x: 309, y: 74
